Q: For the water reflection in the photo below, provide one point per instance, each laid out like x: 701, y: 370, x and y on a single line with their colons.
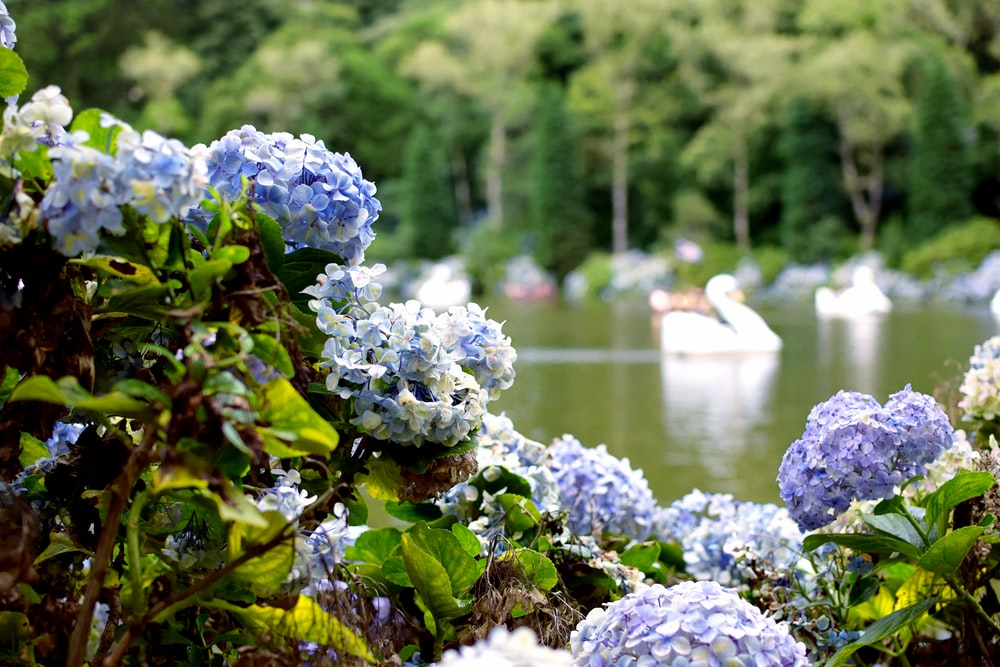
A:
x: 715, y: 408
x: 852, y: 344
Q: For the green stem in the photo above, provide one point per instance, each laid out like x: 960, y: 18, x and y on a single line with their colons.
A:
x: 137, y: 603
x: 972, y: 602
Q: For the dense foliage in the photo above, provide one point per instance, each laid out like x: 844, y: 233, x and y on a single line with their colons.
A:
x: 201, y: 394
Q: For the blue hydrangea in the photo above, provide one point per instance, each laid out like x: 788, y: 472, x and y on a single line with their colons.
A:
x: 855, y: 449
x: 63, y: 435
x: 319, y: 198
x: 8, y: 36
x: 163, y: 178
x: 692, y: 623
x: 730, y: 541
x: 600, y: 491
x: 506, y: 648
x: 413, y: 376
x: 981, y: 385
x: 83, y: 198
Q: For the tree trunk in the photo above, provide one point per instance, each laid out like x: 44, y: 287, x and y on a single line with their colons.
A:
x: 864, y: 190
x: 619, y: 171
x: 741, y: 197
x: 463, y: 189
x: 494, y: 171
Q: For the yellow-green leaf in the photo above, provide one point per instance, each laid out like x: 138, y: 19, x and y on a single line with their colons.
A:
x: 291, y: 424
x: 59, y: 543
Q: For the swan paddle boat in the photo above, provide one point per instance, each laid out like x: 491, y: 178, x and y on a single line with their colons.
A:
x: 863, y: 297
x: 733, y: 328
x: 444, y: 286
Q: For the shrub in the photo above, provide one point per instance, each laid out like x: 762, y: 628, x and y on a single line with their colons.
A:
x: 959, y: 248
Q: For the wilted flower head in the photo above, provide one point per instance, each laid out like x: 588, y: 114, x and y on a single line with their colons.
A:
x: 319, y: 198
x: 981, y: 385
x: 504, y: 648
x: 601, y: 491
x: 727, y: 540
x: 854, y: 448
x: 692, y: 623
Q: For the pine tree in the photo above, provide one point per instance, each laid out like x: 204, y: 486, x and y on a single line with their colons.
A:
x: 940, y: 174
x: 558, y: 213
x: 811, y: 196
x: 429, y: 204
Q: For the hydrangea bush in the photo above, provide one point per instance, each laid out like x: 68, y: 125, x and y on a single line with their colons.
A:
x: 201, y: 394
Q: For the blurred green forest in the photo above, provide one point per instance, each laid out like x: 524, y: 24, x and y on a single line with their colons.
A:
x: 821, y: 128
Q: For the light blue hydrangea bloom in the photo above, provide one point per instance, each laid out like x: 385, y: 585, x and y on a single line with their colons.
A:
x: 730, y: 541
x: 506, y: 648
x: 63, y: 435
x: 162, y: 177
x: 600, y: 491
x: 981, y: 385
x: 8, y: 36
x: 692, y: 623
x: 855, y: 449
x: 413, y: 375
x: 319, y: 198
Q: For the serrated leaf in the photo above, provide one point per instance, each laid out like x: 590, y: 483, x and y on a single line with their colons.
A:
x: 963, y: 486
x: 946, y: 555
x: 288, y: 421
x: 882, y: 628
x: 537, y: 568
x: 13, y: 74
x: 641, y: 556
x: 447, y: 549
x: 374, y: 546
x: 433, y: 565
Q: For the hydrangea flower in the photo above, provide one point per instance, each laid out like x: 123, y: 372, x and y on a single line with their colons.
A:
x: 981, y: 384
x: 163, y: 176
x: 505, y: 648
x: 600, y: 491
x: 41, y: 120
x: 854, y: 448
x: 319, y: 198
x: 499, y: 447
x: 285, y: 496
x: 692, y: 623
x: 730, y: 541
x: 8, y: 36
x: 413, y: 375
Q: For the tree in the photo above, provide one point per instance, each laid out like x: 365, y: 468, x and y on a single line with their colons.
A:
x: 810, y: 191
x: 940, y: 177
x: 428, y: 200
x: 559, y: 217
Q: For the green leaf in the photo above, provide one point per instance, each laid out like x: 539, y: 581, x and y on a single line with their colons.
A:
x: 32, y: 449
x: 641, y: 556
x: 412, y: 512
x: 265, y: 574
x: 60, y: 543
x: 67, y: 391
x: 101, y: 138
x: 963, y: 486
x: 299, y: 271
x: 271, y: 352
x: 121, y: 268
x: 881, y: 544
x: 272, y: 239
x: 13, y: 74
x: 232, y: 505
x: 520, y: 512
x: 234, y: 254
x: 290, y: 424
x: 467, y: 539
x: 143, y: 391
x: 537, y: 568
x: 394, y: 568
x: 497, y: 478
x: 146, y: 302
x: 946, y: 555
x: 203, y: 277
x: 374, y: 546
x: 882, y: 628
x: 440, y: 571
x: 895, y: 526
x: 304, y: 621
x: 10, y: 379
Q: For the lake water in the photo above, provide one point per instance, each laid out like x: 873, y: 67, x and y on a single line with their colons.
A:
x: 594, y: 371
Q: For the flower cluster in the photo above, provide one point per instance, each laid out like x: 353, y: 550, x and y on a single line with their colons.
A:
x: 854, y: 448
x: 500, y: 448
x: 319, y: 198
x: 285, y: 496
x: 504, y: 648
x: 414, y: 376
x: 600, y: 491
x: 981, y: 384
x: 692, y: 623
x: 163, y: 179
x: 8, y: 37
x: 730, y: 541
